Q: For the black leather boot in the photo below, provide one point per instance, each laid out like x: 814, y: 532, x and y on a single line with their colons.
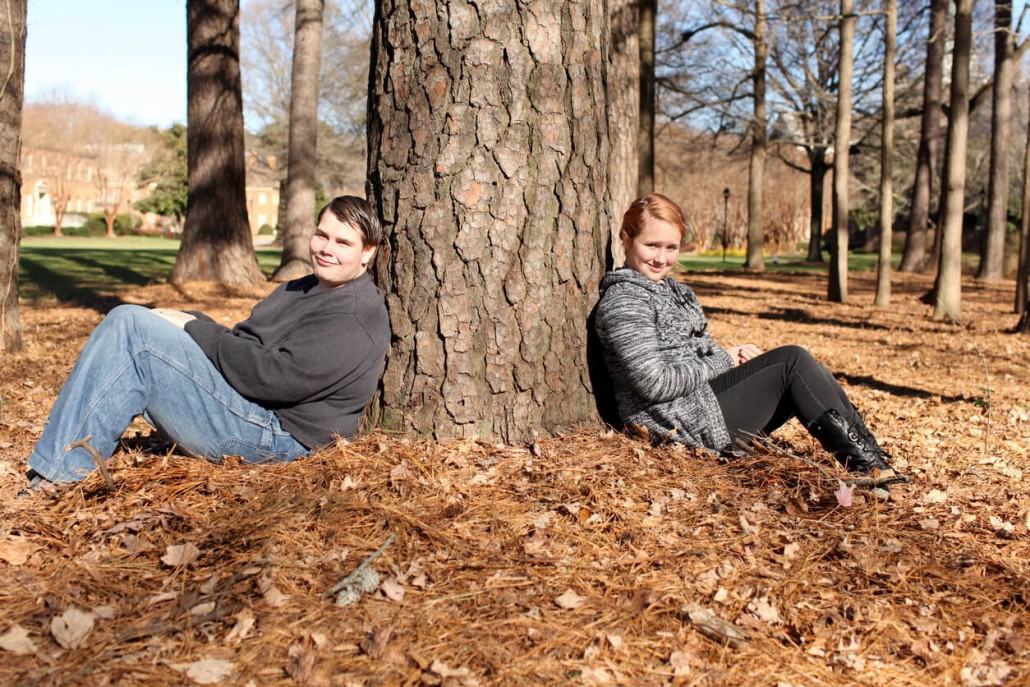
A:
x: 853, y: 445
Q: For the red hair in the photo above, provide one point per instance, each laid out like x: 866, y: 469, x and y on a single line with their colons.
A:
x: 651, y: 206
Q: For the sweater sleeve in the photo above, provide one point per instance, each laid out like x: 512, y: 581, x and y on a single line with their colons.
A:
x: 626, y: 327
x: 315, y: 355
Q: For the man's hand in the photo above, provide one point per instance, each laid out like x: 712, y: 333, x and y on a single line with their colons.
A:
x: 742, y: 354
x: 176, y: 317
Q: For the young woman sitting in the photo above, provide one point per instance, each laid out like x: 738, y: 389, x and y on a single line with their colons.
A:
x: 295, y: 374
x: 673, y: 382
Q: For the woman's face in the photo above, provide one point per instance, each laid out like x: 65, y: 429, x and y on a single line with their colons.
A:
x: 338, y: 253
x: 655, y: 249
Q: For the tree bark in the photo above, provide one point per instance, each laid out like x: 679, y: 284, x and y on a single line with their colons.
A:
x: 12, y: 84
x: 648, y: 97
x: 883, y: 271
x: 623, y: 113
x: 837, y: 285
x: 993, y: 254
x: 817, y: 179
x: 488, y: 159
x: 217, y: 244
x: 948, y: 293
x: 303, y: 149
x: 756, y: 164
x: 914, y: 257
x: 1023, y: 274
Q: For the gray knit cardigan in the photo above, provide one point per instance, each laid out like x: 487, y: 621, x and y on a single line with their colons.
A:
x: 660, y: 357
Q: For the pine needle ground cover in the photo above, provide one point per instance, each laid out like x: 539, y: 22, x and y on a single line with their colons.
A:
x: 583, y: 559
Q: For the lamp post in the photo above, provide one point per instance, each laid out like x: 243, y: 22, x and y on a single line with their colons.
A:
x: 725, y: 220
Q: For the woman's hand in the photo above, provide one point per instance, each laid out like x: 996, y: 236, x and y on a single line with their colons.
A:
x: 742, y: 354
x: 176, y: 317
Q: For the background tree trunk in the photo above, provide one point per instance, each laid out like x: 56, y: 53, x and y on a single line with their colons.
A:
x: 756, y: 163
x: 1023, y: 274
x: 648, y: 99
x: 216, y: 241
x: 817, y: 181
x: 837, y: 289
x: 948, y: 292
x: 623, y: 114
x: 993, y: 253
x: 914, y: 257
x: 488, y: 159
x: 883, y: 271
x: 12, y: 84
x: 303, y: 149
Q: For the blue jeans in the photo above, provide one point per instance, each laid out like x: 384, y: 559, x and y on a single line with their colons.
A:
x: 136, y: 363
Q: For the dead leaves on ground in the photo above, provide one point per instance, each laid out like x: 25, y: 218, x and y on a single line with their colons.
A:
x: 568, y: 560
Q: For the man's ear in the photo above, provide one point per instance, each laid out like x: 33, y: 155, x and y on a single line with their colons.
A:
x: 367, y: 254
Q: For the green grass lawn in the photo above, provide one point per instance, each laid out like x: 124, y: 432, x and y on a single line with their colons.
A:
x: 71, y: 268
x: 857, y: 262
x: 74, y: 267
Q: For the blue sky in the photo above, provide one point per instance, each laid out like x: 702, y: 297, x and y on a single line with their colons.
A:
x: 126, y: 56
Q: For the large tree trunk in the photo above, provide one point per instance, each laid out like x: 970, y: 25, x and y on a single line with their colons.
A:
x: 488, y: 150
x: 993, y: 254
x: 303, y: 153
x: 12, y: 56
x: 648, y: 101
x: 816, y: 182
x: 837, y: 285
x: 623, y: 113
x: 883, y: 271
x: 756, y: 164
x: 948, y: 292
x: 1023, y: 274
x: 914, y: 256
x: 216, y: 241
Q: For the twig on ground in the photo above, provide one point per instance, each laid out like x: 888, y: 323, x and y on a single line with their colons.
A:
x: 362, y: 580
x: 84, y: 443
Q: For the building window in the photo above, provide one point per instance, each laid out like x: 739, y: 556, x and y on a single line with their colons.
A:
x: 262, y: 199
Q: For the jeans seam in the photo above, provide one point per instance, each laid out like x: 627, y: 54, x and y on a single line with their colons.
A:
x: 199, y: 383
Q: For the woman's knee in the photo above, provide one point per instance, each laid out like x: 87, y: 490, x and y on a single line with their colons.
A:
x: 792, y: 353
x: 799, y: 353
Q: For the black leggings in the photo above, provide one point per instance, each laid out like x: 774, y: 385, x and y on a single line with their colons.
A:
x: 767, y: 391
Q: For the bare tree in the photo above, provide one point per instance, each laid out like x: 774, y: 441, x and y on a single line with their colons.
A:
x: 914, y: 256
x: 623, y: 111
x: 729, y: 34
x: 1022, y: 308
x: 648, y: 23
x: 12, y: 83
x: 300, y: 174
x: 837, y: 284
x: 948, y: 290
x: 883, y: 271
x: 64, y: 134
x: 267, y: 38
x: 758, y: 126
x: 806, y: 56
x: 217, y: 244
x: 992, y: 253
x: 488, y: 161
x: 119, y: 152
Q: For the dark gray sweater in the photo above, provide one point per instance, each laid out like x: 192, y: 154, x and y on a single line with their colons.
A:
x: 313, y: 358
x: 660, y: 357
